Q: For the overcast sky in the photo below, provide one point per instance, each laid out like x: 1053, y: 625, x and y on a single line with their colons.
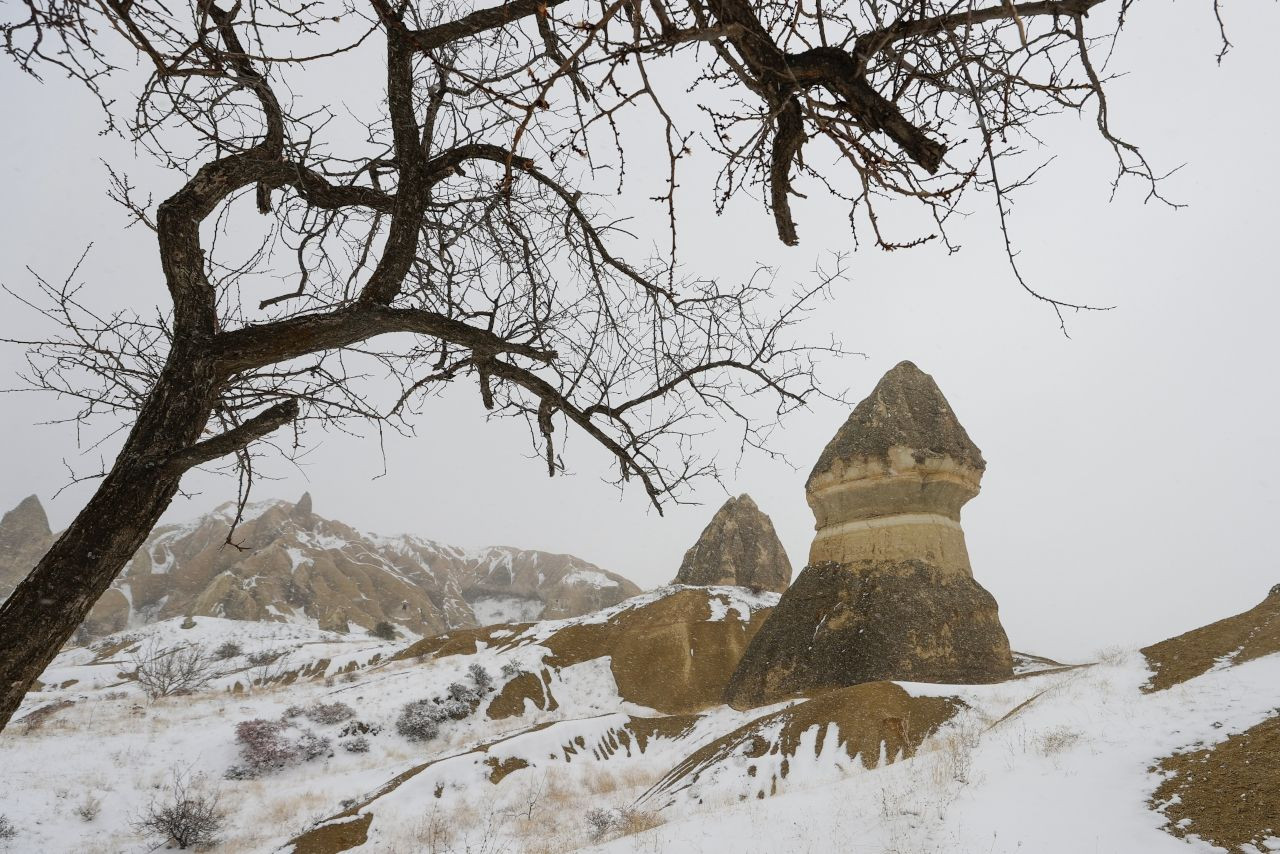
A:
x: 1133, y: 480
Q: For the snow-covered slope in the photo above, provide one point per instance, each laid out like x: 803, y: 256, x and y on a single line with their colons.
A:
x: 568, y: 748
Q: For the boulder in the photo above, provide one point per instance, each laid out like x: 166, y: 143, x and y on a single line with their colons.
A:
x: 738, y: 547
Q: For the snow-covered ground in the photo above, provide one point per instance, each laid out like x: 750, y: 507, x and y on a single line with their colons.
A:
x: 1052, y: 761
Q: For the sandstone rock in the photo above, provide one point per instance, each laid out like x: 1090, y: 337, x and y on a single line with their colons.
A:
x: 740, y: 547
x: 24, y: 538
x: 842, y: 624
x: 889, y: 592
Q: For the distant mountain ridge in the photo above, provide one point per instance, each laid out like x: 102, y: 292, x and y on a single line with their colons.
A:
x: 289, y: 564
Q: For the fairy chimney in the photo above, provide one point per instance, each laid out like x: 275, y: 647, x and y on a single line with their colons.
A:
x: 739, y: 546
x: 890, y: 484
x: 889, y: 592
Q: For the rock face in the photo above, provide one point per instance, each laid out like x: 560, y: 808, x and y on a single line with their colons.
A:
x: 739, y: 547
x: 24, y: 537
x: 296, y: 566
x: 889, y: 592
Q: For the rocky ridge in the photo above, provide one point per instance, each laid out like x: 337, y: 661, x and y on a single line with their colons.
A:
x: 290, y: 564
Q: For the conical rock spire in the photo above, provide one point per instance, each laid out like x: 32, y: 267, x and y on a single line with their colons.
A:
x: 739, y: 546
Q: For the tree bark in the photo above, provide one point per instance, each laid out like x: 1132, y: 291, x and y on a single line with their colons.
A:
x: 47, y: 607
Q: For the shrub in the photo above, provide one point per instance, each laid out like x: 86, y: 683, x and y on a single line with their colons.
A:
x: 264, y: 656
x: 456, y: 709
x: 511, y: 670
x: 480, y: 676
x: 385, y: 630
x: 263, y: 746
x: 418, y: 720
x: 602, y: 822
x: 329, y: 713
x: 185, y: 817
x: 292, y: 712
x: 458, y: 691
x: 7, y: 830
x: 312, y: 746
x: 227, y: 649
x: 355, y: 744
x: 359, y: 728
x: 165, y: 672
x: 89, y: 808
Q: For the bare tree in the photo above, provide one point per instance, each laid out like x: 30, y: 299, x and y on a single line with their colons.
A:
x: 185, y: 816
x: 168, y: 671
x: 461, y: 234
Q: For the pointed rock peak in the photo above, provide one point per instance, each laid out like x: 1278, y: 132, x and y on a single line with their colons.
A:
x: 906, y: 409
x: 28, y: 518
x: 303, y: 507
x: 740, y: 547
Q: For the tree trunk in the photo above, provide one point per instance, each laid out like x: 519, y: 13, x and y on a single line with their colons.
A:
x: 47, y: 607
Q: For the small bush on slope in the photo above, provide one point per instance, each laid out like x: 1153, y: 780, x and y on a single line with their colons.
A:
x: 480, y: 676
x: 420, y: 720
x: 228, y: 649
x: 187, y: 818
x: 172, y: 671
x: 384, y: 630
x: 329, y: 713
x: 270, y: 745
x: 7, y: 830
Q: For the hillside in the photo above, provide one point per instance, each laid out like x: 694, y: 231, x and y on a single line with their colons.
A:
x: 583, y: 743
x: 287, y: 563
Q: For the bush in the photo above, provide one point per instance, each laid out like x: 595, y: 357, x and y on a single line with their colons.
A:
x: 456, y: 709
x: 355, y: 744
x: 263, y: 746
x: 7, y: 830
x: 419, y: 720
x: 312, y: 746
x: 264, y: 656
x: 329, y: 713
x: 228, y: 649
x: 458, y: 691
x: 480, y: 676
x: 511, y: 670
x: 385, y: 630
x: 165, y: 672
x: 292, y: 712
x: 89, y: 808
x: 603, y: 822
x: 186, y: 818
x: 359, y: 728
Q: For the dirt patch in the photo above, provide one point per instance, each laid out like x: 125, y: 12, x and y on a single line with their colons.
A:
x: 339, y: 835
x: 869, y: 720
x: 1235, y: 640
x: 464, y: 641
x: 499, y: 768
x: 510, y: 700
x: 1228, y: 794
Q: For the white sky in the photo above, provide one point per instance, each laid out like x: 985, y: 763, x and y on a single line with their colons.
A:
x: 1131, y: 489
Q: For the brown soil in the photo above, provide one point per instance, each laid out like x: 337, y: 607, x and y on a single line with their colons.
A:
x: 510, y: 700
x: 1228, y: 794
x: 500, y: 768
x: 339, y: 835
x: 866, y: 718
x: 1244, y: 637
x: 463, y: 641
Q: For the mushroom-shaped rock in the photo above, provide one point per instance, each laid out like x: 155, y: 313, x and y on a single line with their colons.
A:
x: 740, y: 547
x: 889, y: 592
x: 890, y: 484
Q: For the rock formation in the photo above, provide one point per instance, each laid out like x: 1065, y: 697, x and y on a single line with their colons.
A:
x: 294, y: 565
x: 739, y: 547
x: 889, y: 592
x: 24, y: 537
